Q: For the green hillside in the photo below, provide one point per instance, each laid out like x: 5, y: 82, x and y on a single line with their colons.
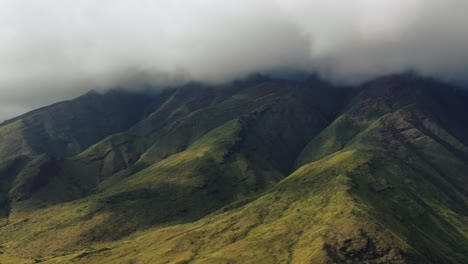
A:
x: 254, y: 171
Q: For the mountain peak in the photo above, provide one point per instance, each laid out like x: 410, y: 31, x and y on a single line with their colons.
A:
x: 322, y: 174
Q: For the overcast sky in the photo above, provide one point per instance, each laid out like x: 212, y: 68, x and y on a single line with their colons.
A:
x: 56, y: 49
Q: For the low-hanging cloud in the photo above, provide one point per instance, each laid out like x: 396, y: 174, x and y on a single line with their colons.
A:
x: 56, y: 49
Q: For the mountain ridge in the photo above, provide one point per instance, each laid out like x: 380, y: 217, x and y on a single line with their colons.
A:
x: 318, y: 173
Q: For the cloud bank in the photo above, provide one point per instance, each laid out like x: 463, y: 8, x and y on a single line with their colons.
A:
x: 56, y: 49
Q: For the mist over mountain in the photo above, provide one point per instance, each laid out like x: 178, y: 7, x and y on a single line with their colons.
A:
x: 56, y: 50
x: 232, y: 132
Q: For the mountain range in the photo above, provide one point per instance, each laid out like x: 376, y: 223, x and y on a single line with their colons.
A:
x: 260, y: 170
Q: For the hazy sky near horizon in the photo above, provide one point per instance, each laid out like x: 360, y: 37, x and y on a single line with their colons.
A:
x: 52, y: 50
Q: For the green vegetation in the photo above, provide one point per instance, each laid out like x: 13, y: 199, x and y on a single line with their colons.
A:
x: 260, y: 170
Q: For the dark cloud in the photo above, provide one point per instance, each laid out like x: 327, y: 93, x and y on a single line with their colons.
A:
x: 52, y: 50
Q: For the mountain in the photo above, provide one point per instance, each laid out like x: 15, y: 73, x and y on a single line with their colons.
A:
x: 258, y: 170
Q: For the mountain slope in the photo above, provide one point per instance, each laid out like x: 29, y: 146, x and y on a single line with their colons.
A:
x: 259, y: 170
x: 67, y: 128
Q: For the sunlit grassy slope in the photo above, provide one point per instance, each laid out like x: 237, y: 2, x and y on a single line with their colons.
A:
x: 258, y: 171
